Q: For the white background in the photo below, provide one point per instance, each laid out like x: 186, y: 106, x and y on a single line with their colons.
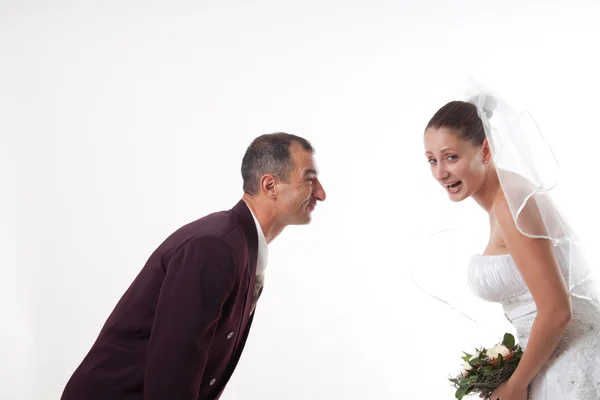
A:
x: 121, y: 121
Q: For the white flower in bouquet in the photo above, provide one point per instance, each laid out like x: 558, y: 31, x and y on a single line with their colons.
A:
x: 498, y: 349
x: 465, y: 369
x: 466, y: 366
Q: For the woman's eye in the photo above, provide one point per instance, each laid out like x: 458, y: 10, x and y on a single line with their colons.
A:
x: 451, y: 158
x: 431, y: 161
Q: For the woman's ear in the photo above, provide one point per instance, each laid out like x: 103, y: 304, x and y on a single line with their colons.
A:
x: 487, y: 152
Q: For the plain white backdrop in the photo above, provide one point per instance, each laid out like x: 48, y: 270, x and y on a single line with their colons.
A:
x: 121, y: 121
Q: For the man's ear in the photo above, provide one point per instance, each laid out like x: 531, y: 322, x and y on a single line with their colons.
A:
x: 268, y: 186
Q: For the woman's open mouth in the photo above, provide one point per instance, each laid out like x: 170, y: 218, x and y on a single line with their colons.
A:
x: 454, y: 187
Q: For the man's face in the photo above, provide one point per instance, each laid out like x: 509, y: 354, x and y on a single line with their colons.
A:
x: 298, y: 197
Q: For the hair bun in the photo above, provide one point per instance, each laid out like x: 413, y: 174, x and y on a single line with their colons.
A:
x: 487, y: 102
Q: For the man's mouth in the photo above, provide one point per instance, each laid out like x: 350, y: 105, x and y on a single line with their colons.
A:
x: 453, y: 187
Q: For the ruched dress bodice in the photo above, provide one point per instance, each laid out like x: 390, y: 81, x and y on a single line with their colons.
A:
x: 573, y: 371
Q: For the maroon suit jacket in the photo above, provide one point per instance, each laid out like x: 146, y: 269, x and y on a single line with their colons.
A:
x: 179, y: 330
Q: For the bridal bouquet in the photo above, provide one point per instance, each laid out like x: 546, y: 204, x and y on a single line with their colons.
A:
x: 487, y: 369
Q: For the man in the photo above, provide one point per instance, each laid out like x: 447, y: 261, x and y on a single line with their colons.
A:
x: 179, y: 330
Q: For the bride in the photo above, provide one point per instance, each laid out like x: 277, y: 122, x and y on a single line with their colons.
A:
x: 532, y: 265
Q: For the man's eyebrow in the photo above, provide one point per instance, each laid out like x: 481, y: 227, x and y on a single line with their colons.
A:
x: 310, y: 171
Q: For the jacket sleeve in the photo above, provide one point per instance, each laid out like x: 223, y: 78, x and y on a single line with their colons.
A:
x: 199, y: 278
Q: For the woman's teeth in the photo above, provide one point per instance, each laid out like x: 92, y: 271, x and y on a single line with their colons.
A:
x: 453, y: 188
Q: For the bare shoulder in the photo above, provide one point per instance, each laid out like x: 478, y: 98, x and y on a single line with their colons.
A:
x: 533, y: 255
x: 501, y: 212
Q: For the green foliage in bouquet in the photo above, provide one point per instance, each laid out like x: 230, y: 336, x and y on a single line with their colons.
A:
x: 487, y: 369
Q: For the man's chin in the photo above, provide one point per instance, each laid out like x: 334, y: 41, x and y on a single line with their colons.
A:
x: 303, y: 219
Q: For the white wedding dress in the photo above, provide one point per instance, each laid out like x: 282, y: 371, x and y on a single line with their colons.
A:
x: 573, y: 371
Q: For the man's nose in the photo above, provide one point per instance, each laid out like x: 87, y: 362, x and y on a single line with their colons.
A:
x: 318, y: 191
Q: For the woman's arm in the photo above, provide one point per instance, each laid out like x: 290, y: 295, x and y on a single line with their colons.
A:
x: 538, y: 265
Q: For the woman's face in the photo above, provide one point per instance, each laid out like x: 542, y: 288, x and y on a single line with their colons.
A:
x: 458, y: 165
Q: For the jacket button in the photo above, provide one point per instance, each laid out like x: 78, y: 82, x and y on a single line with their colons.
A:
x: 229, y: 335
x: 212, y: 381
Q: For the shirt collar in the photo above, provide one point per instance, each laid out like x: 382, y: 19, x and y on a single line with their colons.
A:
x: 263, y: 250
